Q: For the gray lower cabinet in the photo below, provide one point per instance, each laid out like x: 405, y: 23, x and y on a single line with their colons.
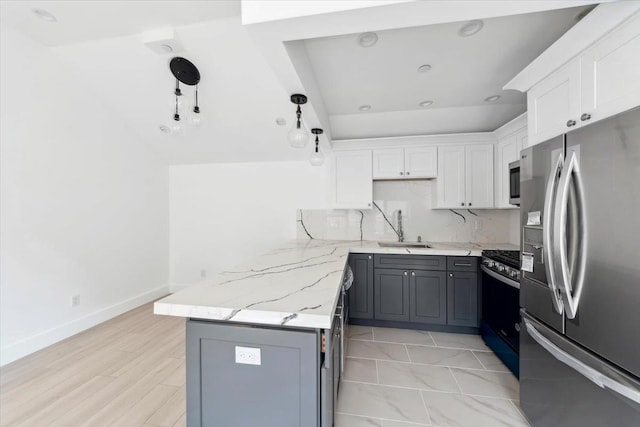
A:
x: 391, y: 294
x: 280, y: 391
x: 428, y: 297
x: 462, y: 298
x: 361, y: 292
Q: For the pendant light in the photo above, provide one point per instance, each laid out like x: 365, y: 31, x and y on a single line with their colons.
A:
x: 316, y: 158
x: 298, y: 136
x: 185, y: 72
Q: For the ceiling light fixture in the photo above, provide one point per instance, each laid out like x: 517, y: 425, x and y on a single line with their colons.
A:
x: 367, y: 39
x: 364, y: 107
x: 298, y: 136
x: 493, y: 98
x: 425, y: 103
x: 45, y: 15
x: 470, y: 28
x: 316, y: 158
x: 424, y: 68
x: 185, y: 72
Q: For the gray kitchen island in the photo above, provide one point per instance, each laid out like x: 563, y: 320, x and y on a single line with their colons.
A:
x: 264, y: 342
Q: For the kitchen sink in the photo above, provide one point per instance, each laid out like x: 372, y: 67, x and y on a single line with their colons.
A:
x: 414, y: 245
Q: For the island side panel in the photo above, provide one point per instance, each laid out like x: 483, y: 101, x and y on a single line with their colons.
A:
x: 282, y: 390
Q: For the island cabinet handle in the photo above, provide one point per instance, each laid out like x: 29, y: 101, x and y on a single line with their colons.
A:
x: 450, y: 274
x: 413, y: 273
x: 405, y: 273
x: 370, y: 257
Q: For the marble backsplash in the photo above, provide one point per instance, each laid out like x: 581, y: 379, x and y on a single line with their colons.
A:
x: 415, y: 199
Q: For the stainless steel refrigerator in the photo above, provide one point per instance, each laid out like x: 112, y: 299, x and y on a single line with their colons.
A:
x: 580, y: 286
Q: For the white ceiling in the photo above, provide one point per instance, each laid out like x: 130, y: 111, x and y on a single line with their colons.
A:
x: 80, y: 21
x: 465, y: 71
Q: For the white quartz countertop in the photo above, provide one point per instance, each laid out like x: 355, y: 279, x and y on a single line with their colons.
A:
x: 295, y: 285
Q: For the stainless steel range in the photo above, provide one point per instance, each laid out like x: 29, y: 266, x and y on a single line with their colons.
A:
x: 500, y: 327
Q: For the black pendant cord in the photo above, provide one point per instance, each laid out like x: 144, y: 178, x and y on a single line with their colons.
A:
x: 298, y: 114
x: 196, y: 108
x: 317, y: 143
x: 176, y: 116
x: 178, y: 92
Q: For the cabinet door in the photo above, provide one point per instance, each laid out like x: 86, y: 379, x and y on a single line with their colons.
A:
x: 353, y: 180
x: 507, y: 151
x: 611, y: 73
x: 391, y: 294
x: 388, y: 163
x: 523, y: 140
x: 462, y: 299
x: 450, y: 182
x: 479, y: 176
x: 554, y: 104
x: 421, y: 162
x: 428, y: 297
x: 361, y: 292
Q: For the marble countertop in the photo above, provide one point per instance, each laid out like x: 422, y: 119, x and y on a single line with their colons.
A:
x: 295, y: 285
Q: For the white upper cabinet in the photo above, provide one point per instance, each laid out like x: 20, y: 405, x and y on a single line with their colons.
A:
x: 353, y: 179
x: 602, y: 81
x: 553, y: 105
x: 465, y: 177
x: 479, y: 176
x: 451, y: 177
x: 400, y: 163
x: 611, y: 73
x: 421, y: 162
x: 388, y: 163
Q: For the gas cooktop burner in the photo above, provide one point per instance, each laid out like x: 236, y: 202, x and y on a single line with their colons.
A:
x: 510, y: 258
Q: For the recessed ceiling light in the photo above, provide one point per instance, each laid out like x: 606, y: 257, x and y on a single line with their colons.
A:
x: 470, y: 28
x: 367, y: 39
x: 425, y: 103
x: 493, y: 98
x: 45, y: 15
x: 424, y: 68
x: 364, y: 107
x: 281, y: 121
x: 166, y: 48
x: 164, y: 129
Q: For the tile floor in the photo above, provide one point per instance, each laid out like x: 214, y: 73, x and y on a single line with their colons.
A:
x: 405, y: 378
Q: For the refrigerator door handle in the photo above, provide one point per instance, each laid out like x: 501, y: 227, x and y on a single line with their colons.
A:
x: 588, y: 372
x: 547, y: 250
x: 570, y: 296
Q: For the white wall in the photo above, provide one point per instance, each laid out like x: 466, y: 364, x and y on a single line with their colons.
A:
x: 225, y: 214
x: 84, y: 205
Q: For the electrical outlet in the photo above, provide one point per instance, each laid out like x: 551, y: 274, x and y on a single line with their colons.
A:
x: 248, y: 356
x: 75, y: 300
x: 478, y: 224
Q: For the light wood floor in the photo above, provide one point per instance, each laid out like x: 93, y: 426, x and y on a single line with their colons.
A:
x: 128, y: 371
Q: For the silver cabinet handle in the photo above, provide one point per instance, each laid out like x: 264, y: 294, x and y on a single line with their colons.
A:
x: 570, y: 297
x: 585, y: 117
x: 450, y: 274
x: 548, y: 220
x: 413, y: 273
x: 588, y: 372
x: 405, y: 273
x: 571, y: 123
x: 370, y: 257
x: 461, y: 264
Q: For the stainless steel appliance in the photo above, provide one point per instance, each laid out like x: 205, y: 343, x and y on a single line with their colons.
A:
x: 500, y: 305
x: 514, y: 183
x: 580, y: 285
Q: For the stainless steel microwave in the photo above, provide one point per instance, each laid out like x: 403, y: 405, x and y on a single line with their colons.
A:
x: 514, y: 183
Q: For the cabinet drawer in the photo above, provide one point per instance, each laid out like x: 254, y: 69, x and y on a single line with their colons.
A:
x: 462, y: 263
x: 411, y: 262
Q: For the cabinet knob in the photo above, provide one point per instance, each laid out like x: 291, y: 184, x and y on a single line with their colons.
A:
x: 413, y: 273
x: 462, y: 204
x: 408, y: 173
x: 369, y: 204
x: 369, y: 256
x: 470, y: 203
x: 585, y: 117
x: 571, y: 123
x: 401, y: 173
x: 405, y: 273
x: 450, y: 274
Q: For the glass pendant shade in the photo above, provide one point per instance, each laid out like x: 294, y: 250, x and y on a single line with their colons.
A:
x: 177, y: 127
x: 195, y: 119
x: 298, y: 136
x: 316, y: 158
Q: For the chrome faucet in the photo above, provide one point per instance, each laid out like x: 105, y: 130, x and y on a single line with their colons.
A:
x: 400, y: 231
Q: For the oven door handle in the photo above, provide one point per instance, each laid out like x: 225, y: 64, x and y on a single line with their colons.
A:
x: 500, y: 277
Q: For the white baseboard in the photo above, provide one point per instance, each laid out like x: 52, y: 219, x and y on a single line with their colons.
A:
x: 43, y: 339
